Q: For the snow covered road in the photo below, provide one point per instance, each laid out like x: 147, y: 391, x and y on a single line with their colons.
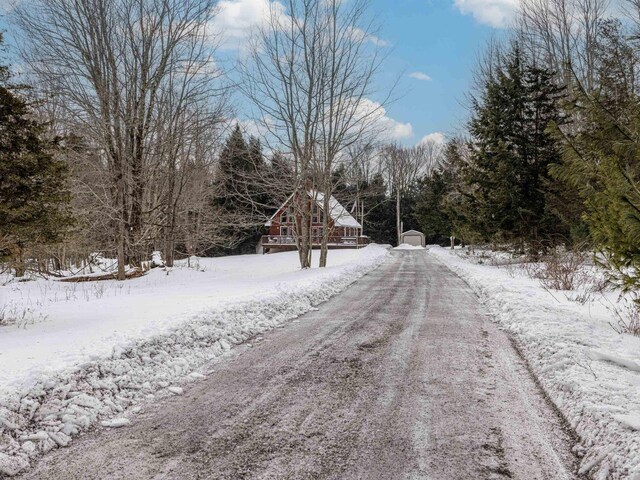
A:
x: 401, y: 376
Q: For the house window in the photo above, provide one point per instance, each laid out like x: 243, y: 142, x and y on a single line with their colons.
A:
x: 286, y: 216
x: 316, y: 217
x: 286, y: 231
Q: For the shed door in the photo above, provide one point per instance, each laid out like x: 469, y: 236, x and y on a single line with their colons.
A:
x: 415, y: 240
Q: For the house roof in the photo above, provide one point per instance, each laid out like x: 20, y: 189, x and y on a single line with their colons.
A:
x: 413, y: 232
x: 268, y: 224
x: 338, y: 213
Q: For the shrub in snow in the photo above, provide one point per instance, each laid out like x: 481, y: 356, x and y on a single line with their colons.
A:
x: 98, y: 259
x: 627, y: 313
x: 562, y: 271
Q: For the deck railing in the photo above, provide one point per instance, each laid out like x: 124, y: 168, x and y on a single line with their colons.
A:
x: 355, y: 242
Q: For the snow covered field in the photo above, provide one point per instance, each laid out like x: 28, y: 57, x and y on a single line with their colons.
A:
x: 83, y: 353
x: 589, y: 371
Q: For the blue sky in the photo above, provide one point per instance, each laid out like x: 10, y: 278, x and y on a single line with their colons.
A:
x: 438, y: 41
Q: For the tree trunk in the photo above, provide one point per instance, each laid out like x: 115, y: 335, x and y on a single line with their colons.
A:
x: 19, y: 265
x: 324, y: 246
x: 304, y: 243
x: 122, y: 229
x: 169, y: 246
x: 136, y: 224
x: 170, y: 233
x: 398, y: 221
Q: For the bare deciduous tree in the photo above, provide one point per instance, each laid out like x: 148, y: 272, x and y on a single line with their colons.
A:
x: 123, y: 69
x: 403, y: 166
x: 562, y: 34
x: 309, y: 75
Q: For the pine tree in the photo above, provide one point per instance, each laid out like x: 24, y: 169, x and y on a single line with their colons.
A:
x: 241, y: 193
x: 601, y: 162
x: 380, y: 223
x: 458, y: 202
x: 33, y: 194
x: 512, y: 152
x: 257, y: 188
x: 430, y: 213
x: 233, y: 164
x: 548, y: 210
x: 408, y: 203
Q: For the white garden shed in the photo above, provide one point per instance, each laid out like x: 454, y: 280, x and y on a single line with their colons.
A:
x: 413, y: 237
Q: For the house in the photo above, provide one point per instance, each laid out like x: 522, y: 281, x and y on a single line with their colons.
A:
x: 344, y: 230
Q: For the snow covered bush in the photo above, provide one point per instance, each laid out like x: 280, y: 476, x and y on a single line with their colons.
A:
x: 627, y: 313
x: 562, y: 271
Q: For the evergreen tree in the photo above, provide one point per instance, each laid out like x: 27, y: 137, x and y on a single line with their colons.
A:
x: 600, y: 160
x: 512, y: 152
x: 549, y: 205
x: 408, y: 204
x: 432, y: 218
x: 33, y: 194
x: 255, y: 154
x: 240, y: 193
x: 281, y: 168
x: 458, y: 202
x: 234, y: 163
x: 380, y: 223
x: 341, y: 189
x: 257, y: 187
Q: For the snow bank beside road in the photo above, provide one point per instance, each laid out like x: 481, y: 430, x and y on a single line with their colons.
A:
x: 80, y: 371
x: 406, y: 246
x: 590, y: 372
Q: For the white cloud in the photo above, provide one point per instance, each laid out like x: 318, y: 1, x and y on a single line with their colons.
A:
x: 359, y: 34
x: 378, y: 42
x: 496, y: 13
x: 368, y: 115
x: 397, y: 130
x: 5, y: 6
x: 391, y: 129
x: 250, y: 127
x: 420, y: 76
x: 436, y: 137
x: 237, y: 19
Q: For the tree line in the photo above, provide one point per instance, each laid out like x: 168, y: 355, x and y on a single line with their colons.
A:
x: 549, y: 156
x: 125, y: 143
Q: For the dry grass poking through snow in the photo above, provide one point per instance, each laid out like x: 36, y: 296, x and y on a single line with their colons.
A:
x: 568, y: 274
x: 627, y: 316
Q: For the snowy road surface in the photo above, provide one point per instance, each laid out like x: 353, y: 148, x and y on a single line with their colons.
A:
x: 402, y: 376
